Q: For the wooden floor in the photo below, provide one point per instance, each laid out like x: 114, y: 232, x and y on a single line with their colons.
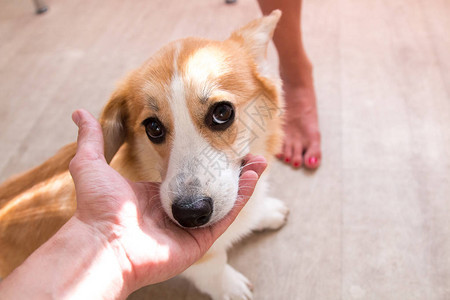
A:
x: 372, y: 223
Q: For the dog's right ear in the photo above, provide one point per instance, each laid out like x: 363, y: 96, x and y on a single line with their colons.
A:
x: 113, y: 120
x: 256, y: 35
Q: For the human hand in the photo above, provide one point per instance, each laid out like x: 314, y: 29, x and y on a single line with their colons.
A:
x: 149, y: 247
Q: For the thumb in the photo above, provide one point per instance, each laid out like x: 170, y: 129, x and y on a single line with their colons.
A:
x: 89, y: 143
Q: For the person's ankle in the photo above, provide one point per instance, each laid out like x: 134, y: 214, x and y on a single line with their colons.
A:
x: 301, y: 77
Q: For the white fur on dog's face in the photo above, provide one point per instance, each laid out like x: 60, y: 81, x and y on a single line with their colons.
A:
x: 195, y: 168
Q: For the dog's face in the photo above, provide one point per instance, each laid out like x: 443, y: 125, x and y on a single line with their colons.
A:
x: 194, y: 106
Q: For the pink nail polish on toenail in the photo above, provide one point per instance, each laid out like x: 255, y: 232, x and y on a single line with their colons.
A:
x: 312, y: 160
x: 286, y: 159
x: 296, y: 164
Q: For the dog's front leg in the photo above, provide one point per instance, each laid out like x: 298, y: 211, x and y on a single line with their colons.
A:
x: 274, y: 214
x: 267, y: 212
x: 214, y: 276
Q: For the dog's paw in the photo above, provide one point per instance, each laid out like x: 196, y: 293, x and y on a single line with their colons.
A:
x: 235, y: 286
x: 275, y: 216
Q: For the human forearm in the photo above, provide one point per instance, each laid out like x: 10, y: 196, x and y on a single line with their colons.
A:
x: 76, y: 263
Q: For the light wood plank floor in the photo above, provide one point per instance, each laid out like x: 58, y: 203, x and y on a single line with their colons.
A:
x: 372, y: 223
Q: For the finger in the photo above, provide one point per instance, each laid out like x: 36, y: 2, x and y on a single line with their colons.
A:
x: 256, y: 163
x: 90, y: 136
x: 89, y: 143
x: 247, y: 182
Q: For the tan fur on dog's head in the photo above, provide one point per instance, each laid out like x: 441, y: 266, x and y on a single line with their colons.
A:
x: 178, y: 91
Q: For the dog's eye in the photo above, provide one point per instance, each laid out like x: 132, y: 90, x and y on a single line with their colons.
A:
x: 220, y: 116
x: 155, y: 130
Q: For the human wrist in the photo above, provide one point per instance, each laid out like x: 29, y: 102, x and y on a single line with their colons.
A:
x: 297, y: 73
x: 110, y: 271
x: 76, y: 263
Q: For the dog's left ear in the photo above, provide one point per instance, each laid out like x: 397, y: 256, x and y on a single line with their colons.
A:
x: 257, y: 34
x: 113, y: 120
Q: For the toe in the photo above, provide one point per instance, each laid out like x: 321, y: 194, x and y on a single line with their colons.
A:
x: 312, y: 157
x: 297, y: 156
x: 280, y: 155
x: 287, y: 152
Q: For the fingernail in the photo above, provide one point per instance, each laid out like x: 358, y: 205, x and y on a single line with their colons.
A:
x: 312, y: 160
x: 259, y: 171
x: 76, y: 117
x: 260, y: 168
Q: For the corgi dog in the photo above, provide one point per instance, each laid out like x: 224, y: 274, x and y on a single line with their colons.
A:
x: 187, y: 117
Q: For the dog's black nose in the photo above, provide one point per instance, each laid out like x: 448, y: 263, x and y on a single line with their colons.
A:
x: 192, y: 213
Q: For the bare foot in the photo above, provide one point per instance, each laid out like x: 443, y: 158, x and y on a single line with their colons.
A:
x: 301, y: 145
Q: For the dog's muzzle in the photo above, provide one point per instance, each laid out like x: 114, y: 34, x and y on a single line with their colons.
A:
x: 192, y: 212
